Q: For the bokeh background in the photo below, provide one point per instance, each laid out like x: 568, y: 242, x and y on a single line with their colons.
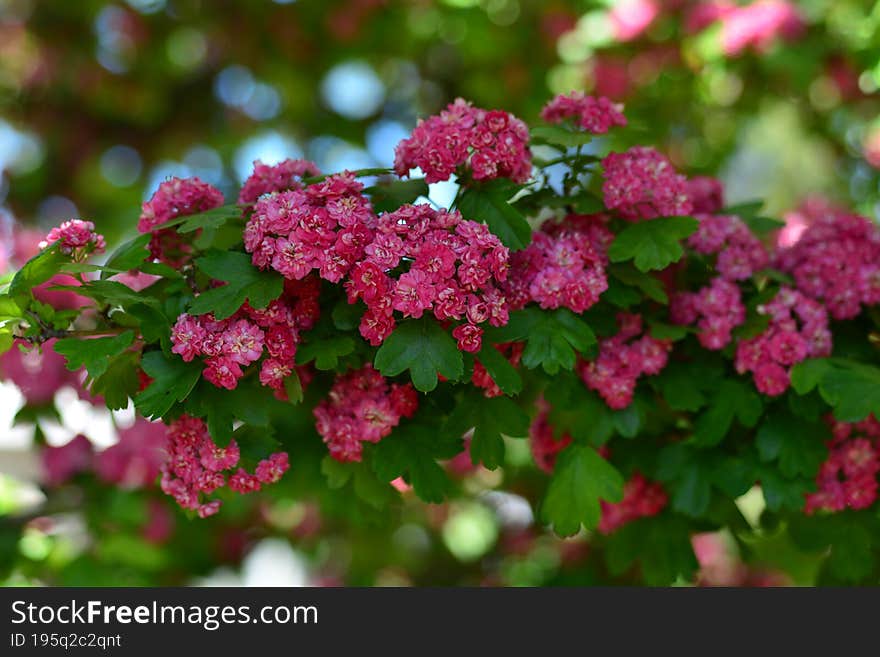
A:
x: 100, y: 101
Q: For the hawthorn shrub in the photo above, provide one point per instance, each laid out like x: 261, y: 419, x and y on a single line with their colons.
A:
x: 663, y: 353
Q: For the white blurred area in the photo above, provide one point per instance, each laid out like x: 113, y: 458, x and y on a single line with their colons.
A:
x: 271, y: 562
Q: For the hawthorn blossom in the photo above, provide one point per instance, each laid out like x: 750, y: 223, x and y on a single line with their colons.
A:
x: 642, y: 184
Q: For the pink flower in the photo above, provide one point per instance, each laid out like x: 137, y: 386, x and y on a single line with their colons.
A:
x: 280, y: 177
x: 361, y: 407
x: 413, y: 293
x: 488, y: 144
x: 593, y: 114
x: 272, y: 469
x: 75, y: 237
x: 641, y: 184
x: 60, y: 464
x: 469, y: 336
x: 187, y: 337
x: 223, y: 372
x: 243, y: 342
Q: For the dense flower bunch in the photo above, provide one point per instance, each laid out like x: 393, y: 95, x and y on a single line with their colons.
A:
x: 76, y: 238
x: 466, y: 139
x: 798, y: 330
x: 593, y: 114
x: 716, y: 309
x: 456, y: 268
x: 564, y: 266
x: 176, y: 197
x: 641, y: 499
x: 323, y: 228
x: 231, y: 344
x: 197, y: 467
x: 362, y: 407
x: 739, y: 253
x: 622, y: 359
x: 836, y: 260
x: 848, y: 477
x: 640, y: 183
x: 267, y: 179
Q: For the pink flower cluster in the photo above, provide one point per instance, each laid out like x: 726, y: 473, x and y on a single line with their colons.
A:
x: 739, y: 253
x: 76, y: 238
x: 593, y: 114
x: 837, y: 261
x: 848, y: 478
x: 640, y: 183
x: 267, y: 179
x: 490, y: 144
x: 706, y: 194
x: 564, y: 266
x: 197, y: 467
x: 362, y: 407
x: 756, y: 25
x: 543, y: 440
x: 630, y: 19
x: 716, y: 309
x: 623, y: 358
x: 176, y: 197
x: 641, y: 499
x: 455, y: 271
x: 38, y: 372
x: 134, y: 461
x: 798, y: 330
x: 231, y: 344
x: 512, y: 351
x: 323, y: 228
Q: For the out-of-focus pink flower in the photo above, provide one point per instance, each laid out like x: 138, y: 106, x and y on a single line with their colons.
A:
x: 38, y: 373
x: 160, y: 523
x: 759, y: 24
x: 62, y: 463
x: 60, y: 299
x: 871, y: 147
x: 631, y: 18
x: 719, y: 565
x: 611, y: 77
x: 135, y: 280
x: 135, y: 460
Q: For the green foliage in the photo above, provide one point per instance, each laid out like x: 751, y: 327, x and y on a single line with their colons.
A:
x: 411, y: 452
x: 652, y: 244
x: 244, y: 283
x: 734, y: 399
x: 119, y: 382
x: 852, y: 389
x: 423, y: 348
x: 491, y: 420
x: 797, y: 445
x: 93, y: 354
x: 173, y: 380
x: 553, y: 339
x: 490, y: 203
x: 659, y: 547
x: 580, y: 480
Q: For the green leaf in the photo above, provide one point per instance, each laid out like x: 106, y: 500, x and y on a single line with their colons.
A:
x: 337, y: 474
x: 798, y: 445
x: 685, y: 385
x: 212, y: 218
x: 649, y: 285
x: 688, y: 475
x: 491, y: 419
x: 660, y: 546
x: 173, y: 380
x: 503, y: 373
x: 652, y: 244
x: 424, y: 348
x: 244, y: 283
x: 581, y: 478
x: 222, y: 408
x: 94, y: 354
x: 293, y: 388
x: 37, y: 270
x: 851, y: 388
x: 560, y: 136
x: 411, y: 451
x: 578, y: 412
x: 490, y: 204
x: 733, y: 400
x: 112, y: 293
x: 119, y: 382
x: 781, y: 493
x: 553, y: 339
x: 325, y: 351
x: 129, y: 255
x: 6, y: 340
x: 388, y: 195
